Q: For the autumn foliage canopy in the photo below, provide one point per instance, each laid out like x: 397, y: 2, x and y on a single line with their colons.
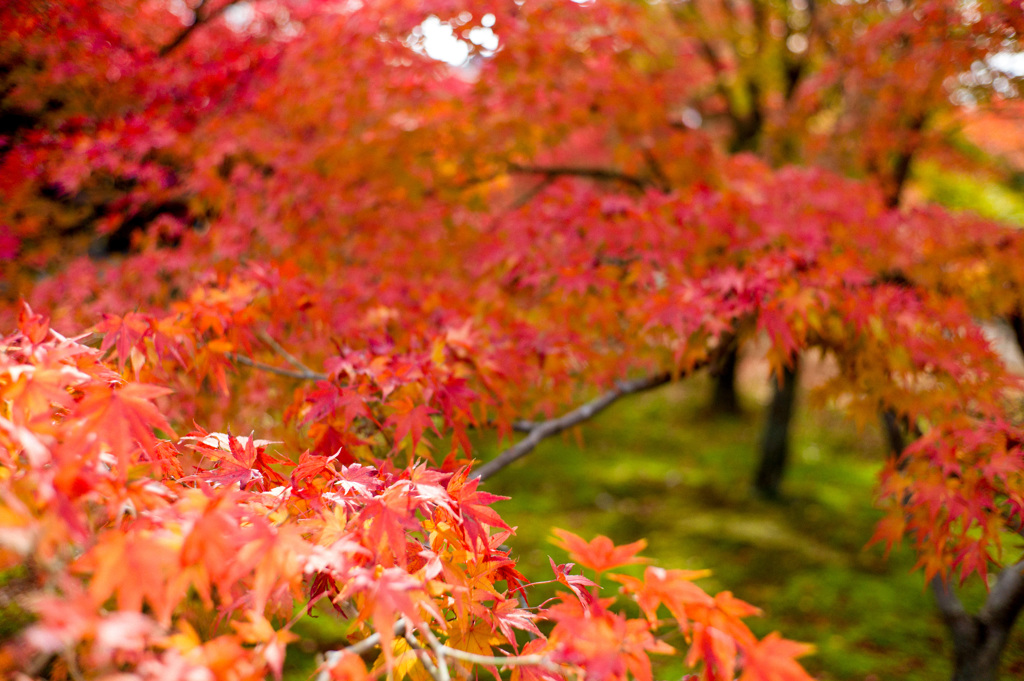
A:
x: 281, y: 265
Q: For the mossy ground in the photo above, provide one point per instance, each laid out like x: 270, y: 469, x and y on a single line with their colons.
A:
x: 657, y: 466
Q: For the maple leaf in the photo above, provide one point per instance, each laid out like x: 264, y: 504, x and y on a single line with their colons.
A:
x: 600, y: 554
x: 387, y: 518
x: 477, y: 639
x: 125, y: 333
x: 389, y: 592
x: 272, y: 642
x: 327, y: 399
x: 672, y: 588
x: 716, y: 649
x: 410, y: 419
x: 508, y: 616
x: 34, y: 326
x: 475, y: 513
x: 123, y: 418
x: 35, y: 448
x: 773, y: 658
x: 116, y: 563
x: 311, y: 465
x: 577, y: 583
x: 242, y: 460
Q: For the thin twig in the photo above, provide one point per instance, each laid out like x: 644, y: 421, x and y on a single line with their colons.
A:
x: 504, y: 661
x: 306, y: 375
x: 304, y: 610
x: 576, y: 171
x: 665, y: 185
x: 199, y: 20
x: 69, y: 659
x: 424, y: 658
x: 442, y: 660
x: 277, y: 347
x: 545, y: 429
x: 530, y: 194
x: 331, y: 657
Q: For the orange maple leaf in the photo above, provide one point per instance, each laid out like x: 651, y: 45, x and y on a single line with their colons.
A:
x: 773, y: 658
x: 123, y: 418
x: 600, y: 554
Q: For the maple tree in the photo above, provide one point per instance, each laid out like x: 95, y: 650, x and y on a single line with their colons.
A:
x: 291, y: 217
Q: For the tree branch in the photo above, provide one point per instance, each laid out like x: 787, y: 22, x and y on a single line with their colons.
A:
x: 303, y: 375
x: 358, y: 648
x: 1006, y: 599
x: 545, y: 429
x: 664, y: 184
x: 187, y: 31
x: 291, y: 359
x: 951, y: 609
x: 577, y: 171
x: 503, y: 661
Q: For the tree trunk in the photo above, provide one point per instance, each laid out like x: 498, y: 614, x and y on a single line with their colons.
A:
x: 979, y: 640
x: 1017, y: 324
x: 724, y: 399
x: 775, y: 441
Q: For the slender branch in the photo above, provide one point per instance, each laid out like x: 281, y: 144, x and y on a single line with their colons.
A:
x: 368, y: 643
x: 439, y: 653
x: 305, y: 610
x: 665, y: 185
x: 509, y: 661
x: 424, y: 658
x: 292, y: 359
x: 530, y: 194
x: 545, y: 429
x: 442, y: 651
x: 200, y: 19
x: 68, y: 654
x: 305, y: 375
x: 577, y: 171
x: 523, y: 426
x: 332, y: 657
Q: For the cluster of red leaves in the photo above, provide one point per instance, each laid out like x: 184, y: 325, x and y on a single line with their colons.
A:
x: 193, y: 557
x: 653, y: 281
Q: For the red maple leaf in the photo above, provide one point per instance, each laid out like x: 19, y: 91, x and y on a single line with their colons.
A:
x: 411, y: 419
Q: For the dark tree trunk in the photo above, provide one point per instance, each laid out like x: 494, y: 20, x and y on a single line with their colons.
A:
x: 775, y: 440
x: 724, y: 399
x: 895, y: 430
x: 1017, y: 324
x: 979, y: 640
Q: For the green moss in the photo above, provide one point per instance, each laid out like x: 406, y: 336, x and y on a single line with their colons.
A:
x: 14, y: 583
x: 961, y: 191
x: 654, y: 467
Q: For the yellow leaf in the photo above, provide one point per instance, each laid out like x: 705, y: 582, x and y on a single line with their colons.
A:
x: 220, y: 346
x: 405, y: 663
x: 477, y: 639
